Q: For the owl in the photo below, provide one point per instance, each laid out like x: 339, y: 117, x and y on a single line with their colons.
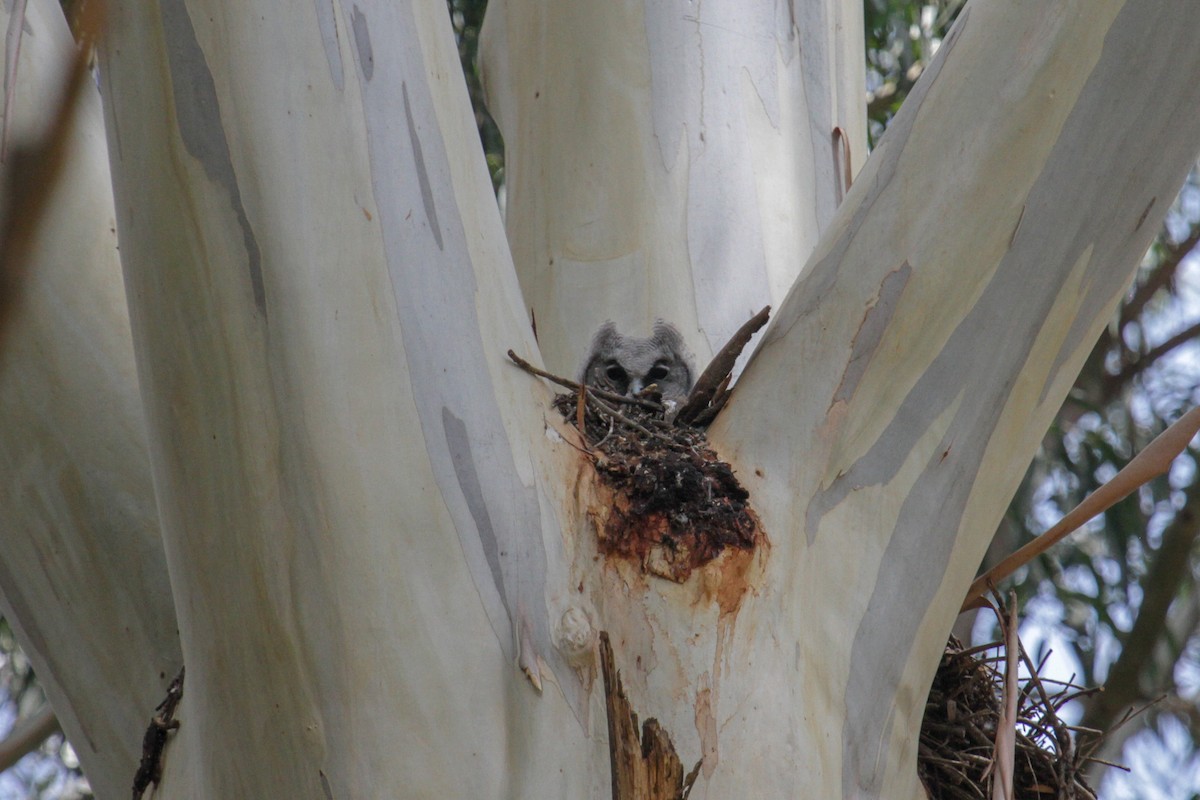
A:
x: 627, y: 364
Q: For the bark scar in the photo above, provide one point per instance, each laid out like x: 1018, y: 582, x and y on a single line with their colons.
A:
x: 870, y: 331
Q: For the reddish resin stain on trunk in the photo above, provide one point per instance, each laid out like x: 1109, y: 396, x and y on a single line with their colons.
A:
x: 672, y: 508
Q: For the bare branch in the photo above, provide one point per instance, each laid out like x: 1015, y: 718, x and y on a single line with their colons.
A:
x: 1153, y: 461
x: 1162, y: 275
x: 595, y: 391
x: 1152, y: 355
x: 26, y: 735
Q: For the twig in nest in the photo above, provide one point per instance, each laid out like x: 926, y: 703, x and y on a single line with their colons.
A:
x: 613, y: 413
x: 1085, y: 753
x: 1061, y: 735
x: 612, y: 397
x: 580, y: 406
x: 710, y: 391
x: 612, y: 423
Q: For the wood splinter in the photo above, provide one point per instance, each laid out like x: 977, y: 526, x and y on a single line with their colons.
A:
x: 644, y: 767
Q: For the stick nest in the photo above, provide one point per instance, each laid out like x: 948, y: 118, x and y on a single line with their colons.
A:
x: 958, y: 735
x: 676, y: 505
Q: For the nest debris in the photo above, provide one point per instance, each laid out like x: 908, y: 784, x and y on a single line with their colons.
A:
x: 958, y: 734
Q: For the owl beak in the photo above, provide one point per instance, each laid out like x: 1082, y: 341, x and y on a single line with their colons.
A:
x: 635, y: 386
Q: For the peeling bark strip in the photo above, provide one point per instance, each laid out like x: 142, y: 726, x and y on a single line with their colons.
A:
x: 645, y: 767
x: 870, y: 332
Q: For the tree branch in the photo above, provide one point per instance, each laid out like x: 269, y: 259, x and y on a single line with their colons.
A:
x: 26, y: 735
x: 1162, y: 275
x: 1147, y: 359
x: 1154, y: 460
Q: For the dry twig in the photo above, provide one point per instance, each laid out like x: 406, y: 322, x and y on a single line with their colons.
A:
x: 1153, y: 461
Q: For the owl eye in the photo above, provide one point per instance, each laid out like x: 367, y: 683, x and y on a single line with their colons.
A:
x: 657, y: 373
x: 616, y: 374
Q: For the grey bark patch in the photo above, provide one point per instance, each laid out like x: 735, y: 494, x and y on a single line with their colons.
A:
x: 458, y: 443
x: 870, y: 332
x: 422, y: 172
x: 362, y: 43
x: 199, y: 116
x: 327, y: 25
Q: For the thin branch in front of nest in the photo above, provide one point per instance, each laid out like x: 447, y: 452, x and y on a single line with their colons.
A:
x: 567, y: 383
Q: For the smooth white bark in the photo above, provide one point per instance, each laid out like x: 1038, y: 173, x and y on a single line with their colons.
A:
x: 668, y: 159
x: 361, y: 511
x: 83, y: 579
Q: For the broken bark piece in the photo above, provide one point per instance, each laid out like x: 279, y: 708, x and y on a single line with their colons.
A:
x: 644, y: 767
x: 155, y: 739
x: 708, y: 391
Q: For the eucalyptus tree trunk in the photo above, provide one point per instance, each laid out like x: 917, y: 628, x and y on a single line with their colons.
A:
x: 83, y: 579
x: 379, y: 539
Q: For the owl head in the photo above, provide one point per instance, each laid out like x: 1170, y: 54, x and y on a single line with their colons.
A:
x: 627, y: 364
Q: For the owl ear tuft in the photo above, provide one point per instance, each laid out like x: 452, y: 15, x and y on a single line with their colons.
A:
x: 669, y: 337
x: 606, y: 340
x: 668, y: 334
